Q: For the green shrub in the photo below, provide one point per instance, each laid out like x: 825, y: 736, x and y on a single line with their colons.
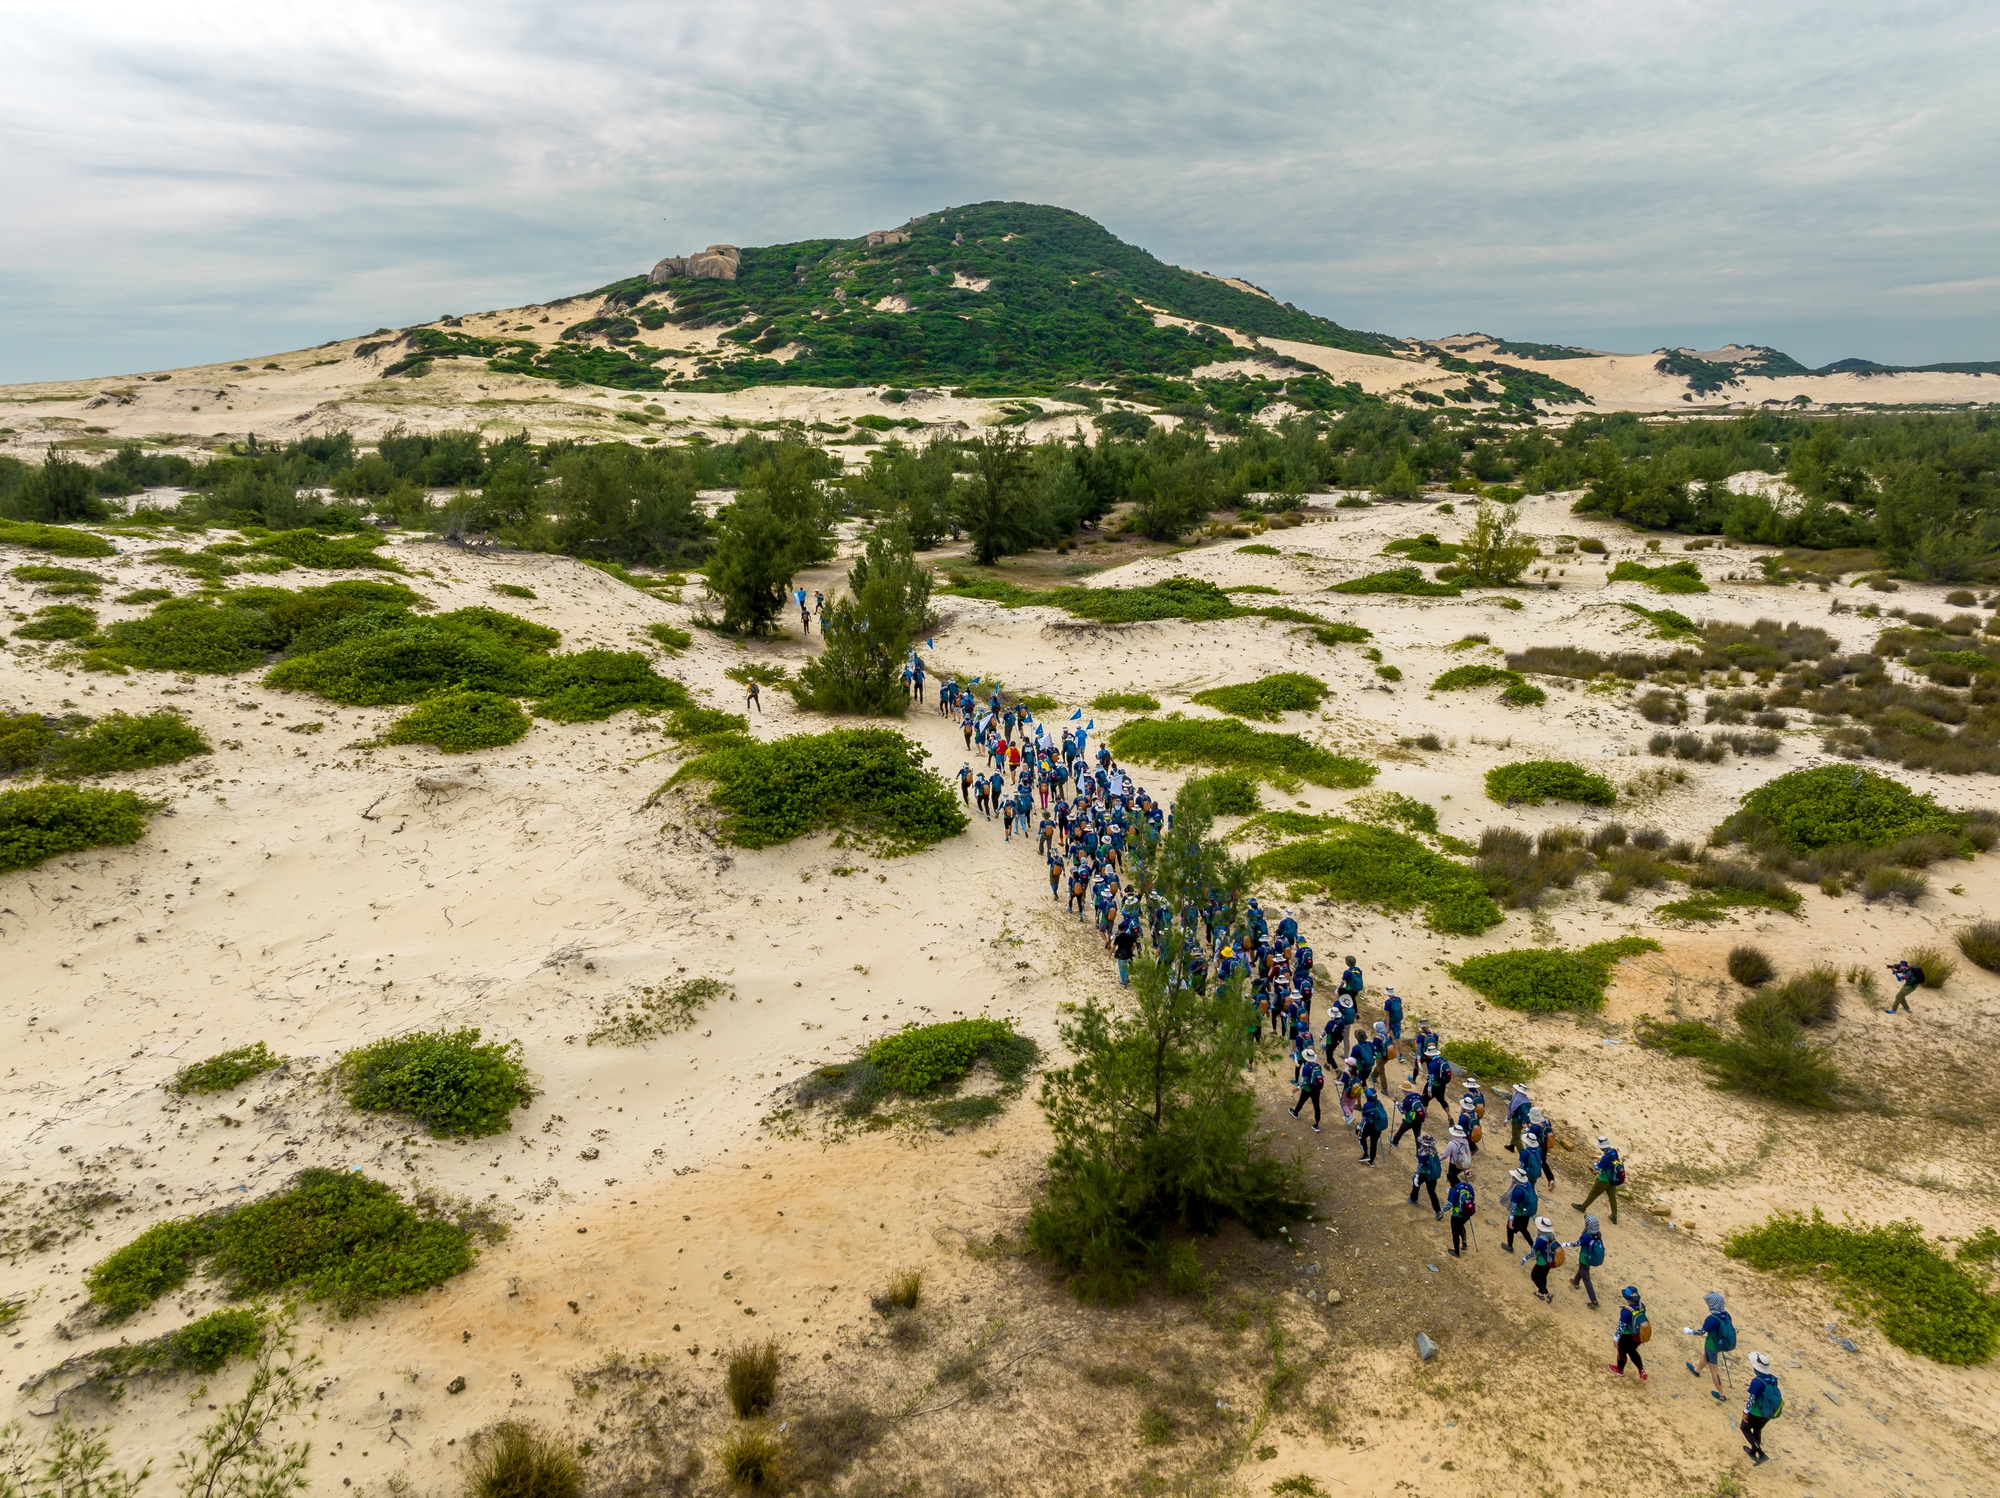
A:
x: 752, y: 1379
x: 1517, y: 869
x: 146, y: 595
x: 1489, y: 1062
x: 517, y: 590
x: 669, y: 639
x: 402, y: 660
x: 63, y: 580
x: 1687, y: 1038
x: 1258, y: 549
x: 122, y: 741
x: 1749, y: 966
x: 1472, y: 674
x: 1281, y: 758
x: 308, y: 549
x: 1524, y: 694
x: 1408, y: 580
x: 225, y: 1071
x: 1548, y: 980
x: 517, y: 1461
x: 1125, y: 702
x: 205, y: 1345
x: 1531, y: 782
x: 1267, y: 697
x: 446, y: 1080
x: 1937, y: 967
x: 922, y: 1058
x: 1391, y: 870
x: 58, y: 539
x: 1980, y: 942
x: 45, y: 821
x: 27, y: 741
x: 1393, y: 806
x: 904, y: 1290
x: 754, y: 1460
x: 210, y: 637
x: 1424, y: 548
x: 1923, y: 1302
x: 1173, y: 598
x: 155, y: 1263
x: 1229, y: 793
x: 866, y: 781
x: 591, y: 685
x: 460, y: 721
x: 1809, y: 998
x: 59, y: 621
x: 1838, y: 805
x: 1672, y: 577
x: 1341, y: 634
x: 336, y: 1236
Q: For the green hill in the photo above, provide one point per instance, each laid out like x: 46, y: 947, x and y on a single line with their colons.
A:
x: 1061, y: 303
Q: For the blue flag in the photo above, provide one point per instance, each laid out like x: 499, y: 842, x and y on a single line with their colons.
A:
x: 1075, y: 715
x: 1090, y: 725
x: 931, y: 643
x: 977, y: 679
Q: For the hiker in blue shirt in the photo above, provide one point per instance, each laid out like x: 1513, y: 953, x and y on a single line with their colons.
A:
x: 1589, y: 1248
x: 1517, y: 1116
x: 1429, y: 1167
x: 1392, y: 1012
x: 1718, y: 1335
x: 1288, y: 927
x: 1764, y: 1404
x: 1343, y: 1015
x: 1539, y: 1129
x: 1521, y: 1205
x: 1543, y: 1253
x: 1420, y: 1047
x: 1531, y: 1158
x: 1468, y: 1121
x: 1610, y: 1176
x: 1311, y: 1078
x: 1351, y: 983
x: 1463, y: 1204
x: 1632, y: 1330
x: 1437, y: 1072
x: 1374, y: 1119
x: 1383, y: 1044
x: 1412, y: 1110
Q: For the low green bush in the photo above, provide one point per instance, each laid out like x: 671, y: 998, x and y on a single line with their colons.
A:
x: 591, y: 685
x: 1687, y: 1038
x: 1424, y: 548
x: 27, y: 741
x: 1750, y: 967
x: 1407, y: 580
x: 396, y: 659
x: 1531, y: 782
x: 871, y: 782
x: 1281, y: 758
x: 448, y: 1081
x: 922, y: 1058
x: 513, y: 1460
x: 1549, y: 980
x: 1340, y: 634
x: 1268, y: 697
x: 752, y: 1379
x: 1125, y: 702
x: 63, y: 580
x: 1672, y: 577
x: 1980, y: 942
x: 210, y: 637
x: 59, y: 621
x: 45, y: 821
x: 1472, y: 674
x: 1391, y: 870
x: 1523, y: 694
x: 155, y: 1263
x: 1229, y: 793
x: 60, y: 540
x: 1891, y: 1272
x: 146, y: 595
x: 305, y: 548
x: 514, y: 590
x: 225, y: 1071
x: 1489, y: 1062
x: 124, y: 741
x: 1384, y: 807
x: 204, y: 1345
x: 1838, y: 805
x: 669, y: 639
x: 460, y: 721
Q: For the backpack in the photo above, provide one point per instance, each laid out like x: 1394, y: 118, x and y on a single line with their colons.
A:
x: 1593, y: 1253
x: 1725, y: 1335
x: 1770, y: 1401
x: 1617, y: 1172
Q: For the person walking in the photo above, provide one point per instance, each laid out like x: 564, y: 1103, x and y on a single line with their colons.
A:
x: 1539, y: 1128
x: 1457, y: 1155
x: 1311, y: 1079
x: 1123, y: 945
x: 1411, y: 1109
x: 1765, y: 1403
x: 1610, y: 1176
x: 1546, y: 1253
x: 1385, y: 1048
x: 1463, y: 1203
x: 1521, y: 1206
x: 1517, y: 1117
x: 1718, y: 1335
x: 1633, y: 1330
x: 1589, y: 1248
x: 1911, y: 977
x: 1531, y: 1157
x: 1374, y: 1119
x: 750, y: 697
x: 1429, y: 1168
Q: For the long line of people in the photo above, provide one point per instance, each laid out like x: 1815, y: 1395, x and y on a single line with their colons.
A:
x: 1096, y: 829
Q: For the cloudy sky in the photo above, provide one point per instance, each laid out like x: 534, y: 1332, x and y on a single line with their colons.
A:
x: 204, y: 181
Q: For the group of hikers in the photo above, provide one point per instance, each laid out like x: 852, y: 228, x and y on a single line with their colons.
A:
x: 1099, y: 833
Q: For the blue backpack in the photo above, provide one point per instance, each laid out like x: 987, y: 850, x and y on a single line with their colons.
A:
x: 1725, y: 1334
x: 1768, y: 1402
x: 1593, y: 1252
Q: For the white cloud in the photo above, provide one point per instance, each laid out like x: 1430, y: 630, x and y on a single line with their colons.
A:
x: 210, y: 180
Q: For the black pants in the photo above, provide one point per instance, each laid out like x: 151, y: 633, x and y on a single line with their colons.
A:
x: 1371, y: 1141
x: 1405, y: 1127
x: 1310, y: 1092
x: 1541, y: 1279
x: 1457, y: 1232
x: 1628, y: 1347
x: 1431, y: 1186
x: 1752, y: 1427
x: 1517, y: 1225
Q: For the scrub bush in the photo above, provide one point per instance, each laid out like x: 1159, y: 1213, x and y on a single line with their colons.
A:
x: 46, y: 821
x: 1546, y: 980
x: 1937, y: 967
x: 61, y: 540
x: 923, y: 1058
x: 1125, y: 702
x: 865, y: 781
x: 1810, y: 998
x: 753, y: 1460
x: 309, y: 549
x: 752, y: 1379
x: 445, y: 1080
x: 592, y: 685
x: 400, y: 659
x: 517, y: 1461
x: 1473, y: 674
x: 1836, y: 805
x: 1266, y: 698
x: 1532, y: 782
x: 513, y: 590
x: 669, y: 639
x: 26, y: 742
x: 155, y: 1263
x: 1923, y: 1302
x: 1388, y: 869
x: 1488, y: 1062
x: 1517, y: 869
x: 1980, y: 942
x: 1281, y: 758
x: 1424, y: 548
x: 226, y: 1071
x: 1407, y: 580
x: 59, y: 621
x: 202, y: 1346
x: 122, y: 741
x: 209, y: 637
x: 1673, y: 577
x: 1749, y: 966
x: 460, y: 721
x: 62, y: 580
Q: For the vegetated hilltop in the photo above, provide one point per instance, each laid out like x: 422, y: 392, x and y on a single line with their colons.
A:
x: 998, y: 298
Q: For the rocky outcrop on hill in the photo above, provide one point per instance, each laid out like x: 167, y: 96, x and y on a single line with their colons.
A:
x: 716, y: 263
